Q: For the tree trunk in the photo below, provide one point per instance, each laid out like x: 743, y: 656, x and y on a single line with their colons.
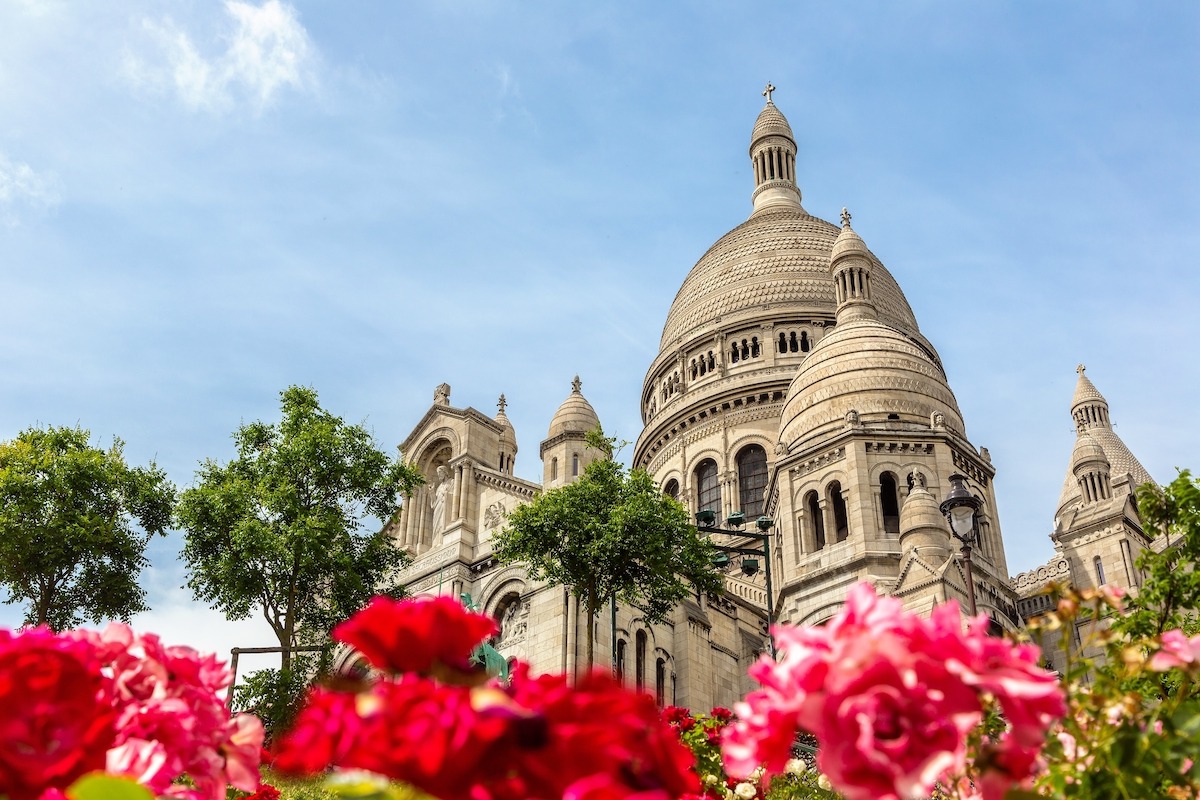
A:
x: 591, y: 627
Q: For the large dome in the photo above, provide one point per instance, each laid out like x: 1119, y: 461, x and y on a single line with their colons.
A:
x: 774, y: 264
x: 869, y: 368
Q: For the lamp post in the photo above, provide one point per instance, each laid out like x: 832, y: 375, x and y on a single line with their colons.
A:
x: 959, y: 508
x: 706, y: 523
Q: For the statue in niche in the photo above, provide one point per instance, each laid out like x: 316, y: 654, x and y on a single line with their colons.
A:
x: 510, y: 627
x: 437, y: 500
x: 938, y: 420
x: 441, y: 395
x: 781, y: 449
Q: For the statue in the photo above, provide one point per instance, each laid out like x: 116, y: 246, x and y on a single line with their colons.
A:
x: 441, y: 395
x: 852, y: 419
x: 437, y: 500
x: 939, y: 420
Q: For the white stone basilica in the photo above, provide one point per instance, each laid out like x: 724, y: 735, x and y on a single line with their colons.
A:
x: 792, y: 382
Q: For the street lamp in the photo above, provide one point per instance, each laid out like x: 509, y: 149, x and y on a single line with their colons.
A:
x: 959, y: 508
x: 706, y: 522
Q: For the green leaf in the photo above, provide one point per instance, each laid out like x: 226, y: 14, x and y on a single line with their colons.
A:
x: 98, y: 786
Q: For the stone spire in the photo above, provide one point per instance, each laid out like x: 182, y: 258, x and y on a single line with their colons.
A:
x: 850, y: 266
x: 508, y: 438
x: 1088, y: 406
x: 1098, y: 452
x: 773, y: 156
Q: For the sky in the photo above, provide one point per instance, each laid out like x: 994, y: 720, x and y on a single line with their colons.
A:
x: 202, y: 203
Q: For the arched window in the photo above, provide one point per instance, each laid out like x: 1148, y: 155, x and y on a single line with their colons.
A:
x: 890, y: 502
x: 752, y: 479
x: 783, y: 342
x: 575, y: 466
x: 804, y: 343
x: 620, y: 661
x: 813, y: 506
x: 712, y: 362
x: 554, y: 468
x: 1099, y: 570
x: 841, y: 521
x: 733, y: 353
x: 754, y: 351
x: 708, y: 488
x: 640, y: 656
x: 672, y: 489
x: 660, y: 682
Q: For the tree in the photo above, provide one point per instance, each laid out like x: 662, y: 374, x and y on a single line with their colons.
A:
x: 68, y: 544
x: 282, y: 527
x: 1169, y: 597
x: 611, y: 534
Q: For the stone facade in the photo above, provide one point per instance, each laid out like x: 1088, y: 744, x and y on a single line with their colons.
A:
x: 792, y: 383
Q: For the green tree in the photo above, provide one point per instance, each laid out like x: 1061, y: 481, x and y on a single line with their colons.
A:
x: 282, y: 528
x: 1169, y: 597
x: 611, y: 534
x: 68, y: 543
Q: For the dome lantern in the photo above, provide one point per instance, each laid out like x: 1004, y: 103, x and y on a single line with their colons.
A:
x: 850, y: 265
x: 773, y: 156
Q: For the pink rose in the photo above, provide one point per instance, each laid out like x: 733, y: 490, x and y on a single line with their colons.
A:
x: 57, y: 718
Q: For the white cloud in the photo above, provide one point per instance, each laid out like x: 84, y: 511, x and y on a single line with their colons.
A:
x: 23, y: 191
x: 267, y: 51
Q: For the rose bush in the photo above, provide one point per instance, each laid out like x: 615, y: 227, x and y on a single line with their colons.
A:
x: 893, y: 698
x: 431, y: 720
x: 115, y: 702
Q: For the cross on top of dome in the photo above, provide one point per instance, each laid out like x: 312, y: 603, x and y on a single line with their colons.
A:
x: 767, y: 92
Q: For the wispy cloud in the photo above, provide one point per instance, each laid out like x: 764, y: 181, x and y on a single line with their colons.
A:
x: 266, y: 52
x: 509, y: 99
x: 24, y: 191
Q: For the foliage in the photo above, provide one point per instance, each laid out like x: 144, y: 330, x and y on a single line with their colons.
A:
x: 611, y: 534
x: 1133, y: 724
x: 275, y: 695
x: 702, y: 735
x: 68, y: 543
x: 1170, y: 594
x: 280, y: 528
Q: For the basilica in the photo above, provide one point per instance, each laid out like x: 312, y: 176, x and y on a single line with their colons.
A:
x: 792, y: 387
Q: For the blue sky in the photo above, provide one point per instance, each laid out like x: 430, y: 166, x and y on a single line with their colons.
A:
x: 202, y: 203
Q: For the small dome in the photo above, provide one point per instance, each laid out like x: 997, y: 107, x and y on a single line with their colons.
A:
x: 508, y: 436
x: 575, y: 415
x: 848, y: 242
x: 1087, y: 451
x: 770, y: 122
x: 867, y: 366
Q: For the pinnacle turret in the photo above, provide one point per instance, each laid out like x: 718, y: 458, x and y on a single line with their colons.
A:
x: 773, y: 155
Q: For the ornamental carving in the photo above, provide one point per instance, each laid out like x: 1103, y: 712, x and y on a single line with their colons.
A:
x: 494, y: 515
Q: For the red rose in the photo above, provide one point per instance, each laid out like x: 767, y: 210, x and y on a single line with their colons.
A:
x: 57, y: 719
x: 416, y: 635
